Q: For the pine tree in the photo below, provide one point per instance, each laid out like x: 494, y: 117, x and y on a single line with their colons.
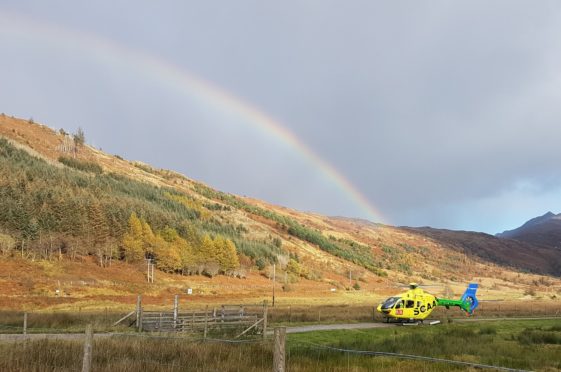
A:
x: 98, y: 225
x: 99, y: 231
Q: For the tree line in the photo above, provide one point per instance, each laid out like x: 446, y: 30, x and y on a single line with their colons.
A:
x: 76, y: 210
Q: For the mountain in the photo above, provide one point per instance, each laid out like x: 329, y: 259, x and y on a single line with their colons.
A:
x: 71, y: 213
x: 520, y: 254
x: 543, y: 230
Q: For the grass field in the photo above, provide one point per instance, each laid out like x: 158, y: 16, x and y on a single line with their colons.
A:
x: 286, y: 315
x: 530, y: 345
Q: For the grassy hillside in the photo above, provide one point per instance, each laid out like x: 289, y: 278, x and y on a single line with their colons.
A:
x: 66, y: 206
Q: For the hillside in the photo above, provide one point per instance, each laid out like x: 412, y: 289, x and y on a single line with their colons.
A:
x: 543, y: 230
x: 72, y: 214
x: 518, y: 254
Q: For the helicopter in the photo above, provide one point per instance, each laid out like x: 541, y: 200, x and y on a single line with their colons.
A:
x: 416, y: 304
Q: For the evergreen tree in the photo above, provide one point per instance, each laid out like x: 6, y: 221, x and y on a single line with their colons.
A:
x: 99, y: 232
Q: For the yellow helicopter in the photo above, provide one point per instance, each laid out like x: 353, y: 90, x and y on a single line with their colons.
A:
x: 416, y: 304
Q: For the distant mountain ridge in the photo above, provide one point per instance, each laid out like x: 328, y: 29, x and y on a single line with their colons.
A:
x: 544, y: 230
x: 526, y: 255
x: 534, y: 246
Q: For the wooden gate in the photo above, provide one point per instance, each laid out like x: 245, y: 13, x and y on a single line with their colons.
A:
x: 245, y: 318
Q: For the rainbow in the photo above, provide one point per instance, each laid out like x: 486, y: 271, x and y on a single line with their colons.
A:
x: 171, y: 75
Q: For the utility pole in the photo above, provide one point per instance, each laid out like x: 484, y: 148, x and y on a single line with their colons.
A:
x: 150, y: 274
x: 274, y: 280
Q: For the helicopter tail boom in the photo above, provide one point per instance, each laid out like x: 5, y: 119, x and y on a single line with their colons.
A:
x: 468, y: 302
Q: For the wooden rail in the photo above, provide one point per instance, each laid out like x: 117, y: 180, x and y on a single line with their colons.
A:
x: 245, y: 317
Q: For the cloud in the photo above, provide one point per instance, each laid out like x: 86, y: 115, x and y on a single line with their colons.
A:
x: 436, y: 111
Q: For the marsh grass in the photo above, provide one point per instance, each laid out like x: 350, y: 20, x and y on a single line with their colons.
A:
x: 59, y: 322
x: 134, y: 354
x: 514, y: 344
x: 493, y: 343
x: 76, y: 321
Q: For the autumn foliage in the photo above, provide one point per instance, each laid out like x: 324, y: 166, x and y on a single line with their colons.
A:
x: 195, y: 255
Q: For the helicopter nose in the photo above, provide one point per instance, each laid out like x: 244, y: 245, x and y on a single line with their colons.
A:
x: 383, y: 310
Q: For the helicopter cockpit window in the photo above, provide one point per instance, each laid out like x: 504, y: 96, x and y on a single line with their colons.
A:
x: 390, y: 302
x: 399, y: 304
x: 409, y: 304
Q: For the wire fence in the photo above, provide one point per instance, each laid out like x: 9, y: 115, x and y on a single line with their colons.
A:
x: 407, y: 356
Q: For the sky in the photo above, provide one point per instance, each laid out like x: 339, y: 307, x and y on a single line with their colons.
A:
x: 436, y: 113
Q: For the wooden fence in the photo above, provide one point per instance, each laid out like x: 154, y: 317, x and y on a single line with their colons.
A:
x: 241, y: 317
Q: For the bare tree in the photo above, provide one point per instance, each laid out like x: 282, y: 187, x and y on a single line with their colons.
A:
x: 79, y: 139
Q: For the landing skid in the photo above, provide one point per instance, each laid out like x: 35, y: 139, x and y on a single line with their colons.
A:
x: 410, y: 322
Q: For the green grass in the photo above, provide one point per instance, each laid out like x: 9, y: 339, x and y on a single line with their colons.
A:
x: 86, y: 166
x: 530, y: 345
x: 499, y: 343
x: 60, y: 322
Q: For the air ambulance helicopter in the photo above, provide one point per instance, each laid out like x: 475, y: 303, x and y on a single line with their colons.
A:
x: 416, y: 304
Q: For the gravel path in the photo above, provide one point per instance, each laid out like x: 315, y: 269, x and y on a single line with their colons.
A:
x: 80, y: 336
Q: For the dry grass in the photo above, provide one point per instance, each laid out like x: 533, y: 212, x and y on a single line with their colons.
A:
x: 529, y: 345
x: 136, y: 354
x: 75, y: 321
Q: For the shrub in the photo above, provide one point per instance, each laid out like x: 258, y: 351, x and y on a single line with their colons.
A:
x: 261, y: 263
x: 488, y: 330
x: 538, y: 336
x: 7, y: 243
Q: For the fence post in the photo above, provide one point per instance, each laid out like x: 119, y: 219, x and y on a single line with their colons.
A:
x: 24, y: 323
x: 279, y: 361
x: 206, y: 322
x: 175, y: 308
x: 138, y: 312
x: 87, y: 361
x: 264, y: 318
x: 290, y: 314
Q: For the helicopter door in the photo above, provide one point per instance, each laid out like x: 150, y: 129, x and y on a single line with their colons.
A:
x: 399, y: 307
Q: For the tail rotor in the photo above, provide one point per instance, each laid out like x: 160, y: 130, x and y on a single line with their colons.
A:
x: 469, y: 300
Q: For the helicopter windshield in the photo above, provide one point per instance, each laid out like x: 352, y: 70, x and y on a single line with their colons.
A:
x: 390, y: 302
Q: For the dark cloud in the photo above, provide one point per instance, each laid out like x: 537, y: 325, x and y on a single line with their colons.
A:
x: 443, y: 113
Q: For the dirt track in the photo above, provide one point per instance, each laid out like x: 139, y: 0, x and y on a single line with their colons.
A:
x: 79, y: 336
x: 332, y: 327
